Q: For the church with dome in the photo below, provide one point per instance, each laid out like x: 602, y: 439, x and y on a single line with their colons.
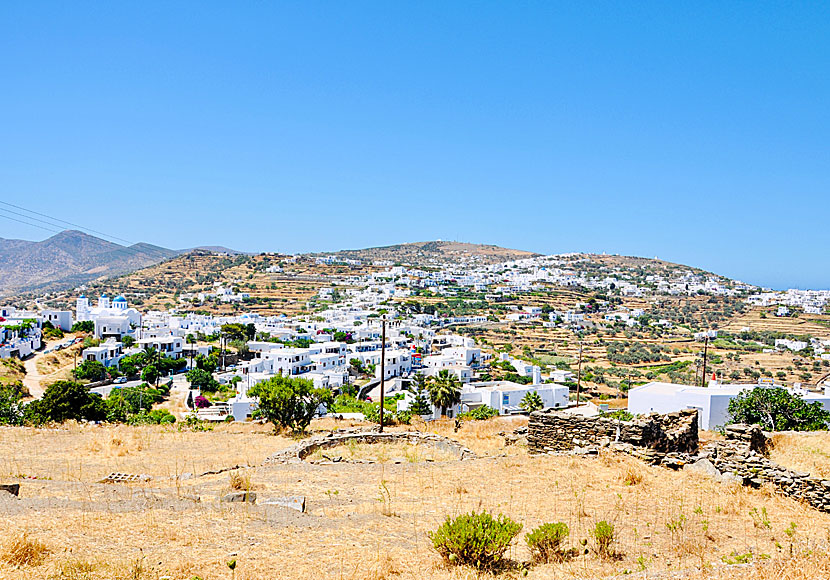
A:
x: 113, y: 319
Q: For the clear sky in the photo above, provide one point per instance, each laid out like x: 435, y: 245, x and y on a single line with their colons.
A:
x: 698, y: 132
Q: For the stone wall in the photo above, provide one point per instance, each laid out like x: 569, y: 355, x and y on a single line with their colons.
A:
x: 297, y: 453
x: 742, y: 457
x: 553, y: 430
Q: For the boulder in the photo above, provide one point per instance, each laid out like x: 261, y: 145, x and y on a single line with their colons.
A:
x: 703, y: 466
x: 293, y: 502
x: 240, y: 497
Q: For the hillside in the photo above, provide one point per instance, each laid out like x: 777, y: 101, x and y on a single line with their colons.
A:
x: 68, y: 259
x: 434, y: 253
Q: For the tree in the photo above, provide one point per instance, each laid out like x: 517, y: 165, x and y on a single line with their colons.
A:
x: 65, y: 400
x: 127, y: 341
x: 444, y: 390
x: 289, y: 402
x: 420, y: 405
x: 150, y: 374
x: 90, y: 370
x: 532, y: 401
x: 776, y: 409
x: 202, y: 380
x: 234, y: 331
x: 85, y: 326
x: 206, y: 363
x: 11, y: 412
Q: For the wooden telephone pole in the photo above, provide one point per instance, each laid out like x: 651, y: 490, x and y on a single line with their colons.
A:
x: 382, y: 365
x: 579, y: 375
x: 705, y: 352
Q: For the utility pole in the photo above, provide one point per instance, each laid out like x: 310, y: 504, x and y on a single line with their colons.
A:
x: 579, y: 375
x: 705, y: 352
x: 382, y: 365
x: 222, y: 348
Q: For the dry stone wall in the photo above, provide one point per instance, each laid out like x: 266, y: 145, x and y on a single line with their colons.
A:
x: 552, y: 430
x: 672, y: 441
x: 742, y: 457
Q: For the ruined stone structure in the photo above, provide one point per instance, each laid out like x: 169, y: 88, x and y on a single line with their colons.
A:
x: 552, y: 430
x: 672, y: 441
x: 742, y: 456
x: 297, y: 453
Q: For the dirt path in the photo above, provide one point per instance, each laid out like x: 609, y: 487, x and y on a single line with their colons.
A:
x: 175, y: 402
x: 33, y: 378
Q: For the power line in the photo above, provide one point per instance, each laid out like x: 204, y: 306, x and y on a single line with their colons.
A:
x: 65, y: 222
x: 104, y: 244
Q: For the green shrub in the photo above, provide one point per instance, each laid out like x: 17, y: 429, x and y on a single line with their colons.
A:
x: 479, y: 413
x: 545, y: 542
x: 604, y: 538
x: 475, y: 539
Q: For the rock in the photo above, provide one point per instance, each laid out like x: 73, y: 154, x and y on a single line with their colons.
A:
x: 240, y: 497
x: 731, y: 478
x: 703, y: 466
x: 12, y: 488
x: 294, y: 502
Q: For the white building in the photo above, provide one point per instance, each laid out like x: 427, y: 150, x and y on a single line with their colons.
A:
x: 58, y: 318
x: 108, y: 353
x: 506, y: 396
x: 170, y: 346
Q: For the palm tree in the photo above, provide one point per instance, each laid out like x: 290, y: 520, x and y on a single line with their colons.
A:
x: 532, y: 402
x: 444, y: 390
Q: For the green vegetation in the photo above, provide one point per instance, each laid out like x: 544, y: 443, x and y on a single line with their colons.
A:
x: 87, y: 326
x: 289, y: 403
x: 63, y: 401
x: 11, y: 412
x: 777, y: 410
x: 532, y: 401
x: 444, y: 390
x: 475, y: 539
x: 604, y: 538
x: 545, y: 542
x: 90, y: 370
x: 479, y: 413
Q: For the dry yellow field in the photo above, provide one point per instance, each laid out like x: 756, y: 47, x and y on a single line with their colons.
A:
x: 367, y: 521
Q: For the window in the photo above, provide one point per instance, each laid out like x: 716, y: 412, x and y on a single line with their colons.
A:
x: 505, y: 399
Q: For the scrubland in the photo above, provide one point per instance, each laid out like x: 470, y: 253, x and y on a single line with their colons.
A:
x: 371, y: 520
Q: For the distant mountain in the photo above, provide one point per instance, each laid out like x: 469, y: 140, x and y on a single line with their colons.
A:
x: 434, y: 253
x: 213, y: 250
x: 68, y: 259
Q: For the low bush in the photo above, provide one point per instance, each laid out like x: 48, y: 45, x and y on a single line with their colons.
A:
x: 475, y: 539
x: 479, y: 413
x: 545, y: 542
x: 604, y: 538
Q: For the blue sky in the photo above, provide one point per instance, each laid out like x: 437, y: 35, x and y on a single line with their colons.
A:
x: 696, y: 132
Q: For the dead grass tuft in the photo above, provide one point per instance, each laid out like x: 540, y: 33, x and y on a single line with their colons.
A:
x: 240, y: 481
x: 25, y: 551
x: 633, y: 476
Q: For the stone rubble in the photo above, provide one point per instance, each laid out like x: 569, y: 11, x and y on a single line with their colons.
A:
x: 671, y: 441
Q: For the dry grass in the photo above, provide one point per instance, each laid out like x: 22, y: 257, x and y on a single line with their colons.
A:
x: 371, y: 521
x: 77, y: 452
x: 809, y: 452
x: 396, y: 452
x: 24, y: 551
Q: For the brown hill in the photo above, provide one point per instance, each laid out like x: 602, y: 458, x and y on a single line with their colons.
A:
x: 434, y: 253
x: 68, y: 259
